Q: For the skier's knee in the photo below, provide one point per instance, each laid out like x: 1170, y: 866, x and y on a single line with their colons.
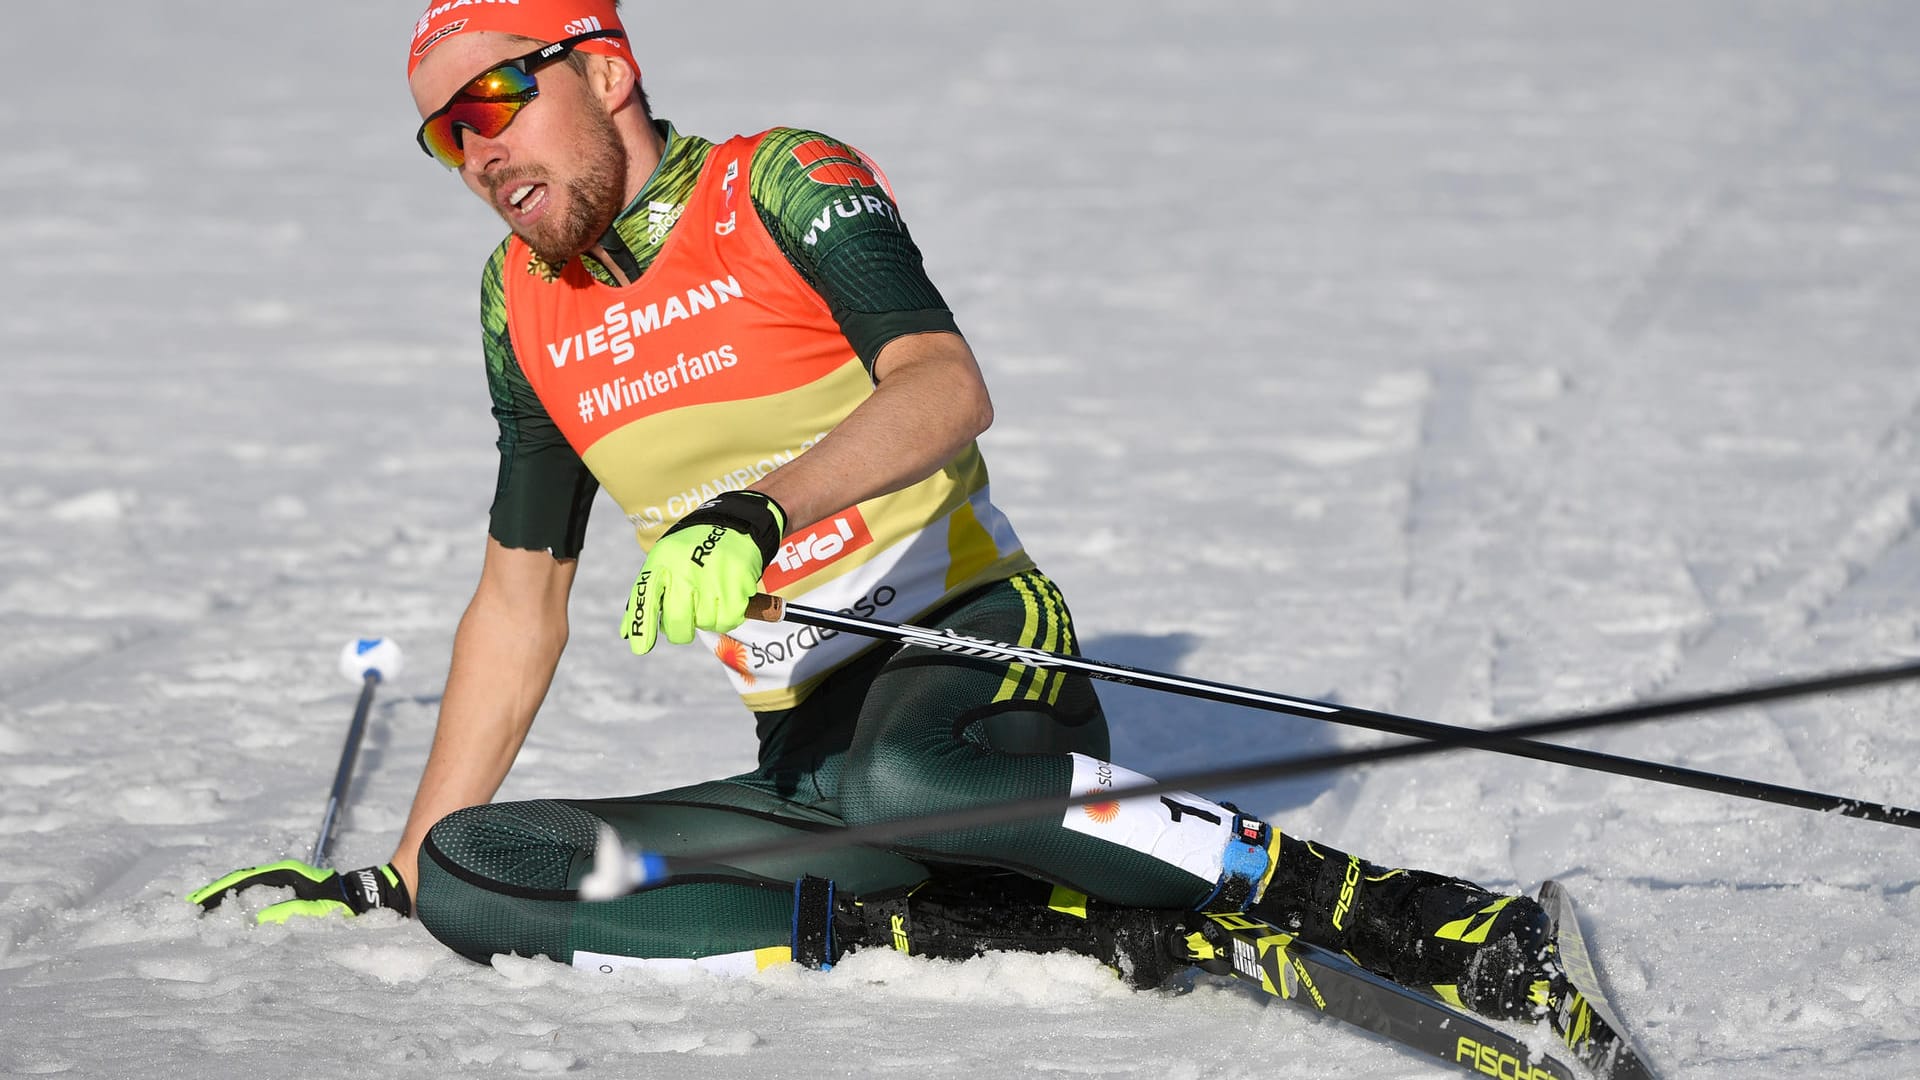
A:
x: 483, y: 871
x: 527, y: 844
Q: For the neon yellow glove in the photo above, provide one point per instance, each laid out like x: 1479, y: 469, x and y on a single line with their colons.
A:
x: 316, y: 891
x: 704, y: 570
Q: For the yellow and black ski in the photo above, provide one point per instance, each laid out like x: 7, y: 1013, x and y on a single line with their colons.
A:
x: 1579, y: 1012
x: 1327, y: 982
x: 967, y: 915
x: 1280, y: 964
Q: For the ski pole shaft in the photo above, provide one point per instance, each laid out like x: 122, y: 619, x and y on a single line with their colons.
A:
x: 774, y: 609
x: 619, y: 872
x: 343, y: 776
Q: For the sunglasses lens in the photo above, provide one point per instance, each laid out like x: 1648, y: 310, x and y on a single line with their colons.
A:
x: 503, y: 83
x: 484, y: 106
x: 485, y: 118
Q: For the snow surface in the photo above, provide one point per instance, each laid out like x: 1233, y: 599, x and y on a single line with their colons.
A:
x: 1474, y: 362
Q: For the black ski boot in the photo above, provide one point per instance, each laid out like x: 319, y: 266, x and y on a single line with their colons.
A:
x: 965, y: 913
x: 1485, y: 952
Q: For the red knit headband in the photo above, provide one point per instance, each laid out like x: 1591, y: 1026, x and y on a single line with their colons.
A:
x: 541, y: 20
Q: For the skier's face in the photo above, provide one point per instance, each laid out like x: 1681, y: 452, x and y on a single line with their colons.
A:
x: 557, y: 172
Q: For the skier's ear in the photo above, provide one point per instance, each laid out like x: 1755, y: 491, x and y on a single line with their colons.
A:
x: 611, y: 79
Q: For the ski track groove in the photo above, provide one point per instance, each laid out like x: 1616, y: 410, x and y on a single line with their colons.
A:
x: 58, y: 674
x: 1876, y: 510
x: 1857, y: 538
x: 28, y: 910
x: 1449, y: 441
x: 1701, y: 654
x: 1652, y: 884
x: 1441, y: 561
x: 1449, y: 436
x: 1875, y: 516
x: 1651, y: 298
x: 1643, y: 305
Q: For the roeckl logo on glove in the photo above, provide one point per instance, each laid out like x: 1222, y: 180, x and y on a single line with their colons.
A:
x: 639, y: 621
x: 706, y: 546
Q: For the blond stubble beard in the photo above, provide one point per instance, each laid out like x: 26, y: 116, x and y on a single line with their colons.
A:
x: 594, y: 197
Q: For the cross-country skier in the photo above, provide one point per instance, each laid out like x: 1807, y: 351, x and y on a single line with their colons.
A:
x: 738, y: 342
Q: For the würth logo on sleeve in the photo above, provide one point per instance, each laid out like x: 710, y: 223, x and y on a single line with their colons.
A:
x: 834, y: 165
x: 818, y: 547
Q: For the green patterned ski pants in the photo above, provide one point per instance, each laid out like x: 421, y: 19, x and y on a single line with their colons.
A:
x: 898, y: 732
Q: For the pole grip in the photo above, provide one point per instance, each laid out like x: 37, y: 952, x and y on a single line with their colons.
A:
x: 766, y: 607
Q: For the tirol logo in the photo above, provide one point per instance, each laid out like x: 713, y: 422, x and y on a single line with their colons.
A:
x: 816, y: 548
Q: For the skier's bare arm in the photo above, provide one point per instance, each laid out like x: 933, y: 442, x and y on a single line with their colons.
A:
x: 504, y: 655
x: 929, y: 402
